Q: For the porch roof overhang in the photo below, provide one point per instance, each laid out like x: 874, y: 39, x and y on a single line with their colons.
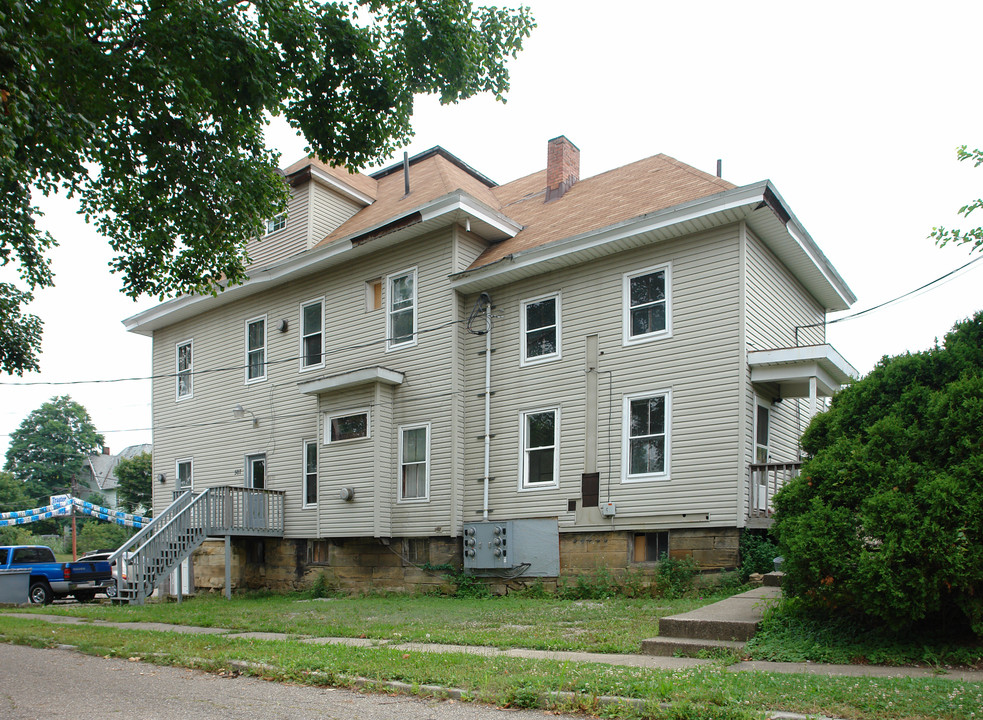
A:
x: 793, y: 369
x: 342, y: 381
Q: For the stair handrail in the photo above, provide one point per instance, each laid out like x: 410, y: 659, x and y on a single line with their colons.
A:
x: 171, y: 511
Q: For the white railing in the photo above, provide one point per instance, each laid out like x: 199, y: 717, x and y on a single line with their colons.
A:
x: 764, y: 480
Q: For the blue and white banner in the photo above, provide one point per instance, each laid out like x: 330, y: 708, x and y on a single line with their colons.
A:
x: 61, y: 506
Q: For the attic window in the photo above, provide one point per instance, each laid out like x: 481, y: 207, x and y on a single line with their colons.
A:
x: 277, y: 222
x: 373, y: 295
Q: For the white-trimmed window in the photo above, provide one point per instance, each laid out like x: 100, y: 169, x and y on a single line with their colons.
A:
x: 184, y: 472
x: 647, y: 304
x: 277, y: 222
x: 310, y: 473
x: 346, y: 426
x: 539, y: 432
x: 184, y: 358
x: 540, y: 321
x: 312, y: 334
x: 256, y: 349
x: 401, y: 312
x: 646, y: 436
x: 414, y: 462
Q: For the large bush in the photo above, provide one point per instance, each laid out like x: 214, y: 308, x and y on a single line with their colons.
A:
x: 885, y: 520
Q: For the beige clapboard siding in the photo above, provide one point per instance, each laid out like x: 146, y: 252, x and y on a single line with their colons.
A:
x: 354, y: 340
x: 328, y: 211
x: 289, y: 240
x: 699, y: 364
x: 467, y: 248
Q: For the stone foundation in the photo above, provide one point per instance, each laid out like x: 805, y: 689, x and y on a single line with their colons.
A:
x: 363, y: 564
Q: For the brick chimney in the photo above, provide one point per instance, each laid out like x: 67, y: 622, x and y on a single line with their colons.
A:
x: 562, y: 167
x: 105, y: 450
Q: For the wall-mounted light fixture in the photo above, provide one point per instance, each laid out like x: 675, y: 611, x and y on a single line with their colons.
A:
x: 161, y: 477
x: 239, y: 412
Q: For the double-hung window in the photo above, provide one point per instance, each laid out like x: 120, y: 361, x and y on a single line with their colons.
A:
x: 277, y: 222
x: 184, y: 470
x: 185, y: 370
x: 310, y: 473
x: 256, y: 349
x: 646, y: 436
x: 414, y: 462
x: 401, y: 323
x: 540, y: 320
x: 539, y: 432
x: 647, y: 311
x: 312, y: 335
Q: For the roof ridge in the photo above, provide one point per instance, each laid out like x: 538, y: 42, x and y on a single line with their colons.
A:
x: 696, y: 171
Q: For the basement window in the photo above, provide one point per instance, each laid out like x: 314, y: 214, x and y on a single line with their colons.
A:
x: 651, y: 546
x: 417, y: 550
x: 318, y: 552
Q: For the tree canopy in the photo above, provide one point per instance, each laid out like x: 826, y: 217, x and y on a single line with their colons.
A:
x: 152, y: 114
x: 885, y: 520
x: 49, y: 447
x: 134, y: 488
x: 973, y: 236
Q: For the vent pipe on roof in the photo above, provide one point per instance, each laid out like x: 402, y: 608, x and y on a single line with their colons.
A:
x: 720, y: 168
x: 562, y: 167
x: 406, y: 173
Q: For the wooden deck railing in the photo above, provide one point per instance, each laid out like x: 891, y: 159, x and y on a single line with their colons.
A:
x: 764, y: 480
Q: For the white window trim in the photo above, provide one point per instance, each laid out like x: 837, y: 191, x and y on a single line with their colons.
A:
x: 626, y: 445
x: 177, y: 475
x: 270, y: 230
x: 266, y: 348
x: 627, y: 338
x: 387, y: 304
x: 360, y: 411
x: 248, y: 475
x: 524, y: 360
x: 399, y: 465
x: 178, y: 397
x: 523, y: 484
x: 317, y: 473
x: 300, y: 325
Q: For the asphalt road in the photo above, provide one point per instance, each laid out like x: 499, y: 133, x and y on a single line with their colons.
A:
x: 65, y: 685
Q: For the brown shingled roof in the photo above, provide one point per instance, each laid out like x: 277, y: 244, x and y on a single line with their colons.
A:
x: 358, y: 181
x: 642, y: 187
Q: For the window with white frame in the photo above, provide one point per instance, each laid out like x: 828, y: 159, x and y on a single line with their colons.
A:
x: 277, y: 222
x: 401, y: 325
x: 540, y: 320
x: 310, y: 473
x: 646, y: 436
x: 347, y: 426
x: 539, y: 433
x: 414, y: 462
x: 184, y: 471
x: 185, y: 370
x: 647, y: 304
x: 312, y: 335
x: 256, y: 349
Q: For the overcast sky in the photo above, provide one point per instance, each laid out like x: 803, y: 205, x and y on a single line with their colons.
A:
x: 853, y: 110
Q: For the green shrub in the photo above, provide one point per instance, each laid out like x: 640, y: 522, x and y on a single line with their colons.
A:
x: 675, y: 576
x: 96, y: 535
x: 758, y: 553
x: 321, y: 587
x: 885, y: 521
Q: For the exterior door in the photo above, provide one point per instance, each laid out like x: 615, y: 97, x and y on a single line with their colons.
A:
x: 255, y: 509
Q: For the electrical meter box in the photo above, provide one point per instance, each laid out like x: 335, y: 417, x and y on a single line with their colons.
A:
x: 530, y: 547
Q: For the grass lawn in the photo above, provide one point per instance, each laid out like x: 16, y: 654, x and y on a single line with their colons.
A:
x: 616, y: 625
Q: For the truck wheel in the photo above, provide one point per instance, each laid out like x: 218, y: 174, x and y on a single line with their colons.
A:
x: 40, y: 593
x: 85, y: 597
x: 111, y: 591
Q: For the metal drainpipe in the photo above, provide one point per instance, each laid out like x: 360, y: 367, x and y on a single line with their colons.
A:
x: 488, y: 349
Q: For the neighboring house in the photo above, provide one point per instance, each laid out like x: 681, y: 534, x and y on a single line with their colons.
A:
x: 627, y: 359
x: 98, y: 473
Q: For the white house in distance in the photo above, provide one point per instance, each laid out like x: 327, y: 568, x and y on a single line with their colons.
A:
x: 530, y: 379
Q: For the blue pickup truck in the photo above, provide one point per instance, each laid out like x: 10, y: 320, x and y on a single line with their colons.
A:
x: 51, y: 579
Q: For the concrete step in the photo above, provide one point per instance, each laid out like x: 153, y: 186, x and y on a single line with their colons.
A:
x: 687, y: 647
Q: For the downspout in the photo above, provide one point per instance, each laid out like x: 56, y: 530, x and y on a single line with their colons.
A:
x: 488, y: 351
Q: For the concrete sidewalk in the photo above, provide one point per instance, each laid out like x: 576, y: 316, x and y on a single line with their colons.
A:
x: 628, y: 660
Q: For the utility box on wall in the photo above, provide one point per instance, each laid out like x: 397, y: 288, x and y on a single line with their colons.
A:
x: 530, y: 548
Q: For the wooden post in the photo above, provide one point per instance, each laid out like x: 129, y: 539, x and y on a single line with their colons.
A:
x: 228, y: 567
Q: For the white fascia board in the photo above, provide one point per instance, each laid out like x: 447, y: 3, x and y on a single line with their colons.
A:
x: 364, y: 376
x: 825, y: 355
x: 475, y: 209
x: 340, y: 187
x: 748, y: 196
